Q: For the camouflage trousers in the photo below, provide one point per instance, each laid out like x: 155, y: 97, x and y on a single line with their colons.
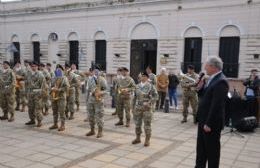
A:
x: 124, y: 104
x: 46, y: 101
x: 58, y: 108
x: 141, y: 116
x: 190, y: 97
x: 71, y: 101
x: 77, y: 95
x: 20, y: 97
x: 96, y: 113
x: 8, y: 103
x: 35, y: 106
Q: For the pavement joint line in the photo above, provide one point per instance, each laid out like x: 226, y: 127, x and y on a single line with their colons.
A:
x: 157, y: 155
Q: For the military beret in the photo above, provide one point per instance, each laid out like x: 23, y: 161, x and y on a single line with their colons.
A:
x: 6, y: 62
x: 59, y: 66
x: 125, y: 69
x: 48, y: 64
x: 42, y: 65
x: 34, y: 63
x: 145, y: 74
x: 191, y: 67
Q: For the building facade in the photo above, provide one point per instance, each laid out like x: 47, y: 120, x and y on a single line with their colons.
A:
x: 133, y: 33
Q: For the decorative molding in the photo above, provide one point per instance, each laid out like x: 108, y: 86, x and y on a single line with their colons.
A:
x: 230, y: 23
x: 193, y: 25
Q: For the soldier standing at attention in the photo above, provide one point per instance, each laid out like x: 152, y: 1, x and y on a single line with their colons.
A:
x: 96, y: 88
x: 58, y: 94
x: 126, y: 86
x: 88, y: 75
x: 7, y: 80
x: 73, y: 82
x: 20, y: 86
x: 189, y: 94
x: 45, y: 98
x: 78, y: 88
x: 115, y: 89
x: 152, y: 77
x: 27, y: 71
x: 36, y: 83
x: 145, y: 96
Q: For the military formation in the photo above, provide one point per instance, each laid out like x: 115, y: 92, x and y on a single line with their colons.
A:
x: 40, y: 88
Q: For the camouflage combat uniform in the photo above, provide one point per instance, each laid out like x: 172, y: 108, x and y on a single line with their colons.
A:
x: 145, y: 96
x: 95, y: 106
x: 7, y: 80
x: 80, y: 77
x: 59, y: 101
x: 74, y: 83
x: 20, y: 89
x: 126, y: 86
x: 189, y: 96
x: 36, y: 83
x: 45, y: 98
x: 115, y: 93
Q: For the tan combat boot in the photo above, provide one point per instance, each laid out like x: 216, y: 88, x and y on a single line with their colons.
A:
x: 91, y: 132
x: 114, y: 113
x: 23, y: 109
x: 127, y: 123
x: 147, y: 140
x: 100, y: 132
x: 4, y: 117
x: 39, y: 124
x: 137, y: 139
x: 62, y: 126
x: 11, y: 119
x: 71, y: 116
x: 120, y: 122
x: 54, y: 126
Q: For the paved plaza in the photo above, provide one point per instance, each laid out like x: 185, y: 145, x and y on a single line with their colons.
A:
x: 172, y: 145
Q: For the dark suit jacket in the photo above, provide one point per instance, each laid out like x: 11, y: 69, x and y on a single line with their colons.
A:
x: 211, y: 110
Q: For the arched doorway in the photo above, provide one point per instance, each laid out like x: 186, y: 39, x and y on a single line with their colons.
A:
x: 100, y: 49
x: 229, y: 45
x: 143, y: 48
x: 15, y: 49
x: 36, y: 48
x: 73, y: 48
x: 192, y: 49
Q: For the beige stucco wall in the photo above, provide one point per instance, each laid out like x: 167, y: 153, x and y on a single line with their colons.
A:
x: 118, y: 23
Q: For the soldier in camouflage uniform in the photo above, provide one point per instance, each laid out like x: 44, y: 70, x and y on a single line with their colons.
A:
x: 74, y: 83
x: 28, y: 72
x: 45, y: 98
x: 58, y: 92
x: 189, y: 94
x: 126, y: 86
x: 145, y: 96
x: 20, y: 87
x: 97, y: 89
x: 78, y: 89
x: 88, y: 75
x: 7, y: 80
x: 115, y: 89
x: 153, y: 80
x: 36, y: 83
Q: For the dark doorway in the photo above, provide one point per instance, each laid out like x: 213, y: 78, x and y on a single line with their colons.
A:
x: 16, y: 52
x: 74, y: 52
x: 229, y: 52
x: 101, y: 52
x: 192, y: 53
x: 143, y: 53
x: 36, y: 51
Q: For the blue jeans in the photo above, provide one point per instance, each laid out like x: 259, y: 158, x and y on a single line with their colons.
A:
x: 173, y: 95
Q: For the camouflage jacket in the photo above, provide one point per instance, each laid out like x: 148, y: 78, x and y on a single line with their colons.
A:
x: 126, y: 87
x: 145, y: 96
x: 187, y: 85
x: 93, y: 84
x: 7, y: 81
x: 62, y: 85
x: 36, y: 82
x: 73, y: 82
x: 153, y: 79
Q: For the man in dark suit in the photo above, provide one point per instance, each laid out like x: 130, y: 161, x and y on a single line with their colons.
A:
x: 211, y: 112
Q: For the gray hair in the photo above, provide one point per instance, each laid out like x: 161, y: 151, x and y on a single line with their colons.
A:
x: 215, y: 61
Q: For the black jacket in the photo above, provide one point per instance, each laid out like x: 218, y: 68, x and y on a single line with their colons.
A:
x: 173, y: 81
x: 211, y: 109
x: 254, y: 85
